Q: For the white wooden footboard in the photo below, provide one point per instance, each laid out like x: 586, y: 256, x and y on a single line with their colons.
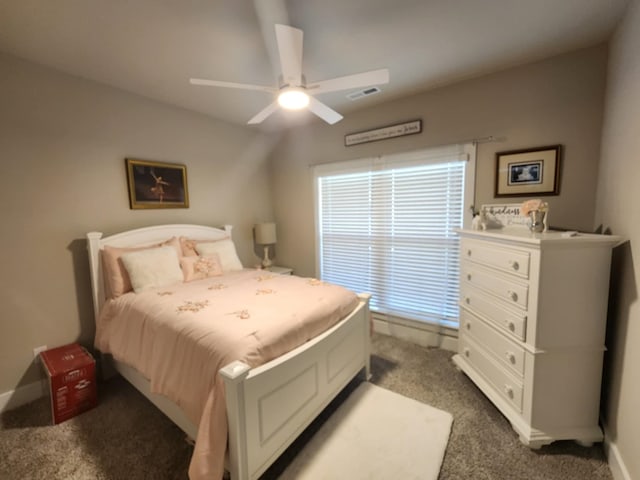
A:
x: 269, y: 406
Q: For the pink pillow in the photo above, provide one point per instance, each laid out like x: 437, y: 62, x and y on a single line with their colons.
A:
x: 197, y: 268
x: 115, y: 275
x: 188, y: 246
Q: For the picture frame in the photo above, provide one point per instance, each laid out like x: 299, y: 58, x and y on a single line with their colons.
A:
x: 156, y: 184
x: 532, y: 171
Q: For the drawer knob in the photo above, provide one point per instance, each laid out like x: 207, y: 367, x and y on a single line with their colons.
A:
x: 467, y: 300
x: 508, y: 389
x: 467, y: 352
x: 469, y: 252
x: 512, y: 326
x: 469, y: 276
x: 468, y: 324
x: 512, y: 295
x: 515, y: 265
x: 511, y: 357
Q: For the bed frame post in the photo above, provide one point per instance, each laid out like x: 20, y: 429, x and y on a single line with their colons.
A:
x: 93, y: 245
x: 233, y: 376
x: 368, y: 326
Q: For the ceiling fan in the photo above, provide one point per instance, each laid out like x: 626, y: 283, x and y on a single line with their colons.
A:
x: 294, y: 93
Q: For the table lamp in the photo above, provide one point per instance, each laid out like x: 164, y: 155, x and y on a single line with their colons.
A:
x: 265, y: 234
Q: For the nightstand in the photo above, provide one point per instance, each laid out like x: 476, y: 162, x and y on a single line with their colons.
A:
x: 280, y: 270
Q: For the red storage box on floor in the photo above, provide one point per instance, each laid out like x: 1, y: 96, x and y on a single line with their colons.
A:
x: 71, y: 372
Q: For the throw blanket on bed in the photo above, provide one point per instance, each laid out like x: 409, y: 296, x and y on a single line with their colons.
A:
x: 179, y: 337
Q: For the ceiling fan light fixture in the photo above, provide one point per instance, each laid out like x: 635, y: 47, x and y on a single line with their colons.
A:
x: 293, y: 99
x: 292, y: 90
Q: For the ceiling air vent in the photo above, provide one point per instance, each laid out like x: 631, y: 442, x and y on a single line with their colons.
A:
x: 363, y: 93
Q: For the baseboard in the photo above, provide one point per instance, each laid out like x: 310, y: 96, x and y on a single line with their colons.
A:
x: 21, y: 395
x: 616, y: 463
x: 424, y: 335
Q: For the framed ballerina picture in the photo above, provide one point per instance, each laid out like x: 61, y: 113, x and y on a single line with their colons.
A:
x: 156, y: 184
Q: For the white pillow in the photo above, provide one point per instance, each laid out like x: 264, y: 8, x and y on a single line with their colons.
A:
x: 226, y: 251
x: 153, y: 268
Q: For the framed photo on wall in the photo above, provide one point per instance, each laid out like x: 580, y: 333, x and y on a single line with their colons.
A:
x: 156, y: 184
x: 534, y: 171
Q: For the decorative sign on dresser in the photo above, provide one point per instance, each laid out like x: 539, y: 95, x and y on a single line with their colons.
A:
x: 532, y: 327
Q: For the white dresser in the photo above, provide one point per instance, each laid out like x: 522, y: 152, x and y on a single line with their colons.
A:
x: 532, y: 328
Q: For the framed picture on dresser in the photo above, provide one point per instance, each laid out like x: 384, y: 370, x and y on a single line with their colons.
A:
x: 532, y: 171
x: 156, y: 184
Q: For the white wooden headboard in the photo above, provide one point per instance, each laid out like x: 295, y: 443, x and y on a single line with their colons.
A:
x: 140, y: 237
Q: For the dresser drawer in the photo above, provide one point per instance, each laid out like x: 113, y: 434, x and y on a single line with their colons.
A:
x: 511, y: 261
x: 507, y: 352
x: 509, y: 388
x: 510, y: 291
x: 514, y: 323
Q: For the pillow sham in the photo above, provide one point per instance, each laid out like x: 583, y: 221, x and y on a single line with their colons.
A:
x: 115, y: 275
x: 199, y: 267
x: 226, y: 251
x: 188, y: 246
x: 153, y: 268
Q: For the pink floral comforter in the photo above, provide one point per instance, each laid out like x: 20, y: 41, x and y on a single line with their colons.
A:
x: 179, y: 338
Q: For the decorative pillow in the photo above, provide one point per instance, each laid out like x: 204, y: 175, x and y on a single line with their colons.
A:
x: 188, y: 246
x: 226, y: 250
x: 153, y: 268
x: 199, y: 267
x: 115, y: 275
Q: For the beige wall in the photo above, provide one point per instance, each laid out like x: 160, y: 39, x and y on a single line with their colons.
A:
x: 556, y: 101
x: 618, y: 203
x: 63, y: 142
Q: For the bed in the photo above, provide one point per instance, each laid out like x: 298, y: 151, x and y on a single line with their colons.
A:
x: 267, y: 405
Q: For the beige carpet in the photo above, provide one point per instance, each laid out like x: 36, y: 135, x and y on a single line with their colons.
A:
x: 126, y: 438
x: 375, y: 433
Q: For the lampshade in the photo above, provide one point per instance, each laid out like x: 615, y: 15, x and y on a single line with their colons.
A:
x: 265, y: 233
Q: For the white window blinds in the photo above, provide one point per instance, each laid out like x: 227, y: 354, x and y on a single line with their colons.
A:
x: 385, y: 226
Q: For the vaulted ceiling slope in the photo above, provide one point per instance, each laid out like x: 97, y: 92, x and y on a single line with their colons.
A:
x: 153, y: 47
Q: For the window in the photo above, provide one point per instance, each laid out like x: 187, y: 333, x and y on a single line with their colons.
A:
x: 386, y: 226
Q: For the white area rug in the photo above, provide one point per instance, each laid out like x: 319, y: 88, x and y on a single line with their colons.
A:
x: 376, y: 434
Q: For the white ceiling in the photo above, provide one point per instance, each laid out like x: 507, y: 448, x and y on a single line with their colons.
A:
x: 153, y: 47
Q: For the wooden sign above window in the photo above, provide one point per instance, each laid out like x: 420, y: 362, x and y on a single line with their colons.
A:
x: 398, y: 130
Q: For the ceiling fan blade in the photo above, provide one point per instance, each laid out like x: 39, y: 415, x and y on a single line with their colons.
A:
x: 365, y: 79
x: 264, y: 113
x: 320, y: 109
x: 243, y: 86
x: 271, y: 12
x: 290, y: 48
